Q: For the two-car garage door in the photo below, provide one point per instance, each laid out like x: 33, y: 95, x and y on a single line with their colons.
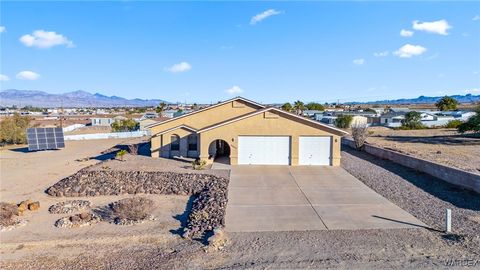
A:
x: 275, y: 150
x: 264, y: 150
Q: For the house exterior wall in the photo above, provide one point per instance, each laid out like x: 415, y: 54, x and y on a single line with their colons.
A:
x: 201, y: 120
x: 267, y: 124
x: 163, y: 143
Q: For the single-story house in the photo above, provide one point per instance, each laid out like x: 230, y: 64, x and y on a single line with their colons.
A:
x: 246, y: 132
x: 144, y: 122
x: 106, y: 121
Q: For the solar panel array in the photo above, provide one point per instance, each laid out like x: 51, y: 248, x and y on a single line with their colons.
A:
x: 45, y: 138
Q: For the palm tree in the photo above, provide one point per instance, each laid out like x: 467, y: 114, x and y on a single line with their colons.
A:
x: 161, y: 107
x: 298, y: 107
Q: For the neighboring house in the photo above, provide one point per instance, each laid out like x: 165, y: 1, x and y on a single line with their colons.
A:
x: 392, y: 119
x: 399, y: 110
x: 359, y: 117
x: 143, y: 123
x: 311, y: 113
x: 246, y: 132
x: 169, y: 113
x: 149, y: 115
x: 106, y: 121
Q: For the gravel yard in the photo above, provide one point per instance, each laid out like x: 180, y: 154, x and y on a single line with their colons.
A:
x: 444, y: 146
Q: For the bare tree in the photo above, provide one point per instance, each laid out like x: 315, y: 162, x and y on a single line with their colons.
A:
x: 133, y: 149
x: 359, y: 134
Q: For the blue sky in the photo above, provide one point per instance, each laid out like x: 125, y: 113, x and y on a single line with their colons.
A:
x: 268, y: 52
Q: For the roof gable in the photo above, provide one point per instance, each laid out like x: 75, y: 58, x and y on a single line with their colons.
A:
x: 260, y: 106
x: 273, y: 109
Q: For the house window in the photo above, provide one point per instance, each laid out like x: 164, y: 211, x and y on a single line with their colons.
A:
x: 175, y: 143
x: 192, y: 142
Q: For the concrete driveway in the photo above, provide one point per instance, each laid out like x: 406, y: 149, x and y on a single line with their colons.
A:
x: 284, y: 198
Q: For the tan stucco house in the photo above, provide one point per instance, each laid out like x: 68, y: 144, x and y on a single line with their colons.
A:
x: 246, y: 132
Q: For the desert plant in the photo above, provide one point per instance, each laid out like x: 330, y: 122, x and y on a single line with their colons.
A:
x: 412, y: 121
x: 447, y: 104
x: 137, y: 208
x: 360, y: 134
x: 472, y: 124
x: 343, y: 121
x: 133, y: 149
x: 120, y: 154
x: 453, y: 124
x: 13, y: 129
x: 199, y: 164
x: 8, y: 212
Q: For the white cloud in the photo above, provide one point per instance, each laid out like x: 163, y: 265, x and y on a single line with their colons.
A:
x: 4, y: 78
x: 262, y: 16
x: 472, y: 91
x: 43, y: 39
x: 234, y: 90
x: 180, y: 67
x: 437, y: 27
x: 28, y: 75
x: 406, y: 33
x: 408, y: 50
x: 381, y: 54
x: 359, y: 61
x: 476, y: 18
x: 2, y: 29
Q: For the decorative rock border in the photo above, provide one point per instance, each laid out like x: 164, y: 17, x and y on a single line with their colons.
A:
x: 78, y: 220
x: 68, y: 207
x: 208, y: 209
x: 130, y: 222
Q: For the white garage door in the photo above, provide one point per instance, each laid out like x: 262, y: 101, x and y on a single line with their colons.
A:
x: 314, y: 150
x: 264, y: 150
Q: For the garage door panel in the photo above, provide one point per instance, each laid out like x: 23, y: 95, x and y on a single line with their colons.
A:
x: 264, y: 150
x: 315, y: 150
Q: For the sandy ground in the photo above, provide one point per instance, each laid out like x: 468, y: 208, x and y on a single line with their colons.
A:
x: 157, y: 245
x: 444, y: 146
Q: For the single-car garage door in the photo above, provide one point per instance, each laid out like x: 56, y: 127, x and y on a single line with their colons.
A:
x: 264, y: 150
x: 314, y: 150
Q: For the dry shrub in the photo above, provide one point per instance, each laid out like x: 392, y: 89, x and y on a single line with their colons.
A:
x: 360, y: 134
x: 136, y: 208
x: 133, y: 149
x: 8, y: 212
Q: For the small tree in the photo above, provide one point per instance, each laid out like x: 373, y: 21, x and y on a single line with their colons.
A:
x: 412, y: 120
x: 472, y: 124
x: 298, y: 107
x: 315, y: 106
x: 360, y: 134
x: 13, y: 129
x: 447, y: 104
x: 287, y: 107
x: 343, y: 121
x: 124, y: 125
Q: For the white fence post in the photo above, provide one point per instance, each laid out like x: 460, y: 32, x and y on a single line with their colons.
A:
x: 448, y: 221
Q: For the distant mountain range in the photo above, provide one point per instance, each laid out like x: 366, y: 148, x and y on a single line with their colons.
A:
x: 74, y: 99
x: 468, y: 98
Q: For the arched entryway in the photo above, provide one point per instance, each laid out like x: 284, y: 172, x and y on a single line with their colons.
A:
x: 219, y: 151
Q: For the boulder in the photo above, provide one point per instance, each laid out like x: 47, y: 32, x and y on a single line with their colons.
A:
x: 34, y: 206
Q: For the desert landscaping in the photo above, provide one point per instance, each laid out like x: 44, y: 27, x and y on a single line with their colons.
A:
x: 445, y: 146
x: 82, y: 221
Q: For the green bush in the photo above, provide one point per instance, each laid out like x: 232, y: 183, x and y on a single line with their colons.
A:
x: 199, y: 164
x: 124, y: 125
x: 120, y: 154
x: 13, y: 129
x: 453, y: 124
x: 343, y: 121
x: 472, y: 124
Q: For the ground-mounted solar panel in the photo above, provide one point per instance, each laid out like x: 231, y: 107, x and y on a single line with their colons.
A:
x: 45, y: 138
